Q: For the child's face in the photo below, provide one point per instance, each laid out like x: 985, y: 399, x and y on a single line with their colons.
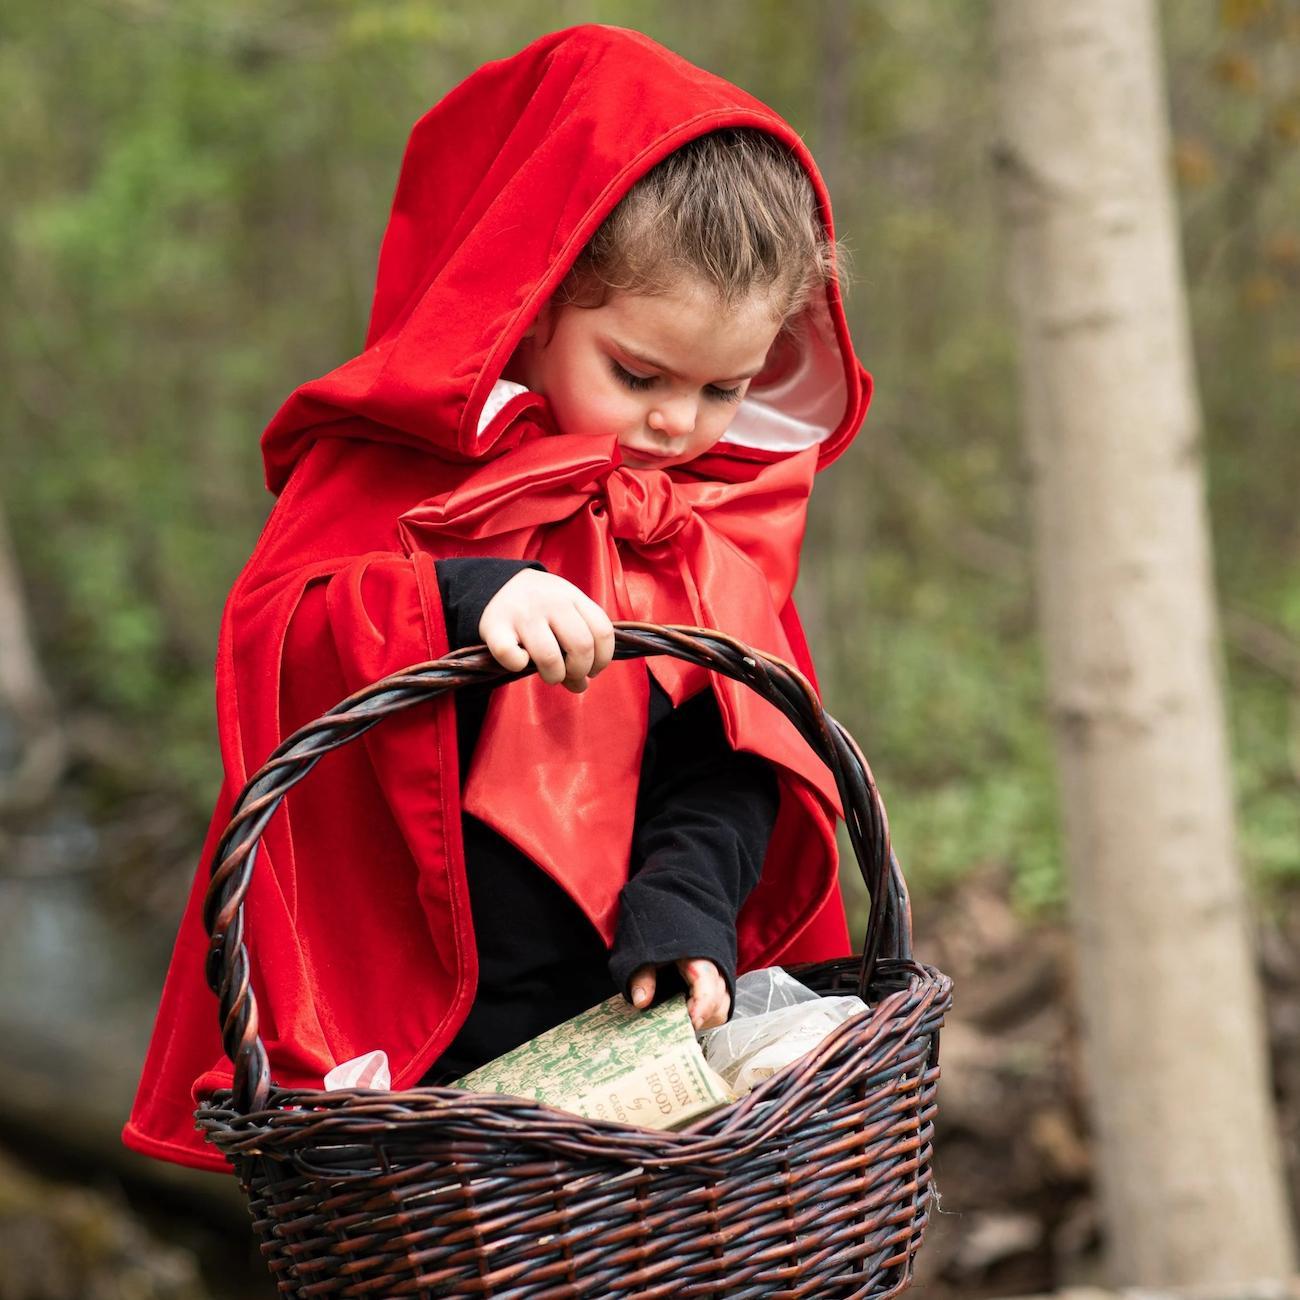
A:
x: 665, y: 372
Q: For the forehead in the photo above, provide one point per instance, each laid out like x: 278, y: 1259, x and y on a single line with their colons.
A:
x: 688, y: 330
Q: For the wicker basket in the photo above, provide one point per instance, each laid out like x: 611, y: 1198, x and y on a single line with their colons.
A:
x: 815, y: 1184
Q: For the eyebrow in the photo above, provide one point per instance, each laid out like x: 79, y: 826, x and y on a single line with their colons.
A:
x: 668, y: 370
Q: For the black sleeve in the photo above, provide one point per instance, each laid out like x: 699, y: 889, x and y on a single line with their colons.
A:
x: 466, y: 585
x: 705, y: 814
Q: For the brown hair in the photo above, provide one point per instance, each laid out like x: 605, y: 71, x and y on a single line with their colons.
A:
x: 733, y: 208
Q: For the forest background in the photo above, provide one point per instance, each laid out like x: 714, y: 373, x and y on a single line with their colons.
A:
x: 193, y: 195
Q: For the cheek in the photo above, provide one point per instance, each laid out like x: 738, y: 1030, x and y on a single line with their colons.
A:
x: 593, y: 403
x: 714, y: 422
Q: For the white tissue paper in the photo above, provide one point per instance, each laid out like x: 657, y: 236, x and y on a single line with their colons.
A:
x: 776, y: 1021
x: 367, y: 1071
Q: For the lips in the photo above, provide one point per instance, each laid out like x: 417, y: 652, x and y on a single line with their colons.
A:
x: 651, y: 459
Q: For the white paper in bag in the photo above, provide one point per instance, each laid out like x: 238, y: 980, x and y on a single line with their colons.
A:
x: 776, y: 1021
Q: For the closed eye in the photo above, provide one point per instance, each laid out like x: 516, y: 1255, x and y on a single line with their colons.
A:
x: 726, y: 394
x: 639, y: 383
x: 635, y: 382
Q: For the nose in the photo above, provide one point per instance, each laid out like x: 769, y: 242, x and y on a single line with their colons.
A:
x: 674, y: 418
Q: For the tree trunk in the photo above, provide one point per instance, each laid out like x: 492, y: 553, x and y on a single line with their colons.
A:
x: 32, y: 752
x: 1189, y: 1164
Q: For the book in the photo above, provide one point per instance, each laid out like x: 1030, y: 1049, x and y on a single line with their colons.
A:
x: 613, y: 1062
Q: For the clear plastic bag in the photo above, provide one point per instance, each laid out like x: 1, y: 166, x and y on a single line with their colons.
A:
x: 776, y: 1021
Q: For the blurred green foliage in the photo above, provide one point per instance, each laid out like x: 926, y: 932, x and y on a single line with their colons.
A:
x: 193, y: 198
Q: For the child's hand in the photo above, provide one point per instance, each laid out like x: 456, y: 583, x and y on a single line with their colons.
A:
x: 541, y: 617
x: 709, y: 1003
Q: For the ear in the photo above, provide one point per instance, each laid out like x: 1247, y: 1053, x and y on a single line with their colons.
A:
x: 542, y: 324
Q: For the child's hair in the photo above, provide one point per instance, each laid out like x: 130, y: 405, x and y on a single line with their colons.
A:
x: 733, y: 208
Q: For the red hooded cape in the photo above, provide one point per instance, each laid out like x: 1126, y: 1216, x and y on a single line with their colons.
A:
x: 357, y: 919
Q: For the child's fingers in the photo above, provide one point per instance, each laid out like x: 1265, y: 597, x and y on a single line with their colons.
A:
x: 578, y: 645
x: 543, y: 649
x: 602, y: 633
x: 501, y: 639
x: 545, y: 618
x: 709, y: 1003
x: 642, y: 985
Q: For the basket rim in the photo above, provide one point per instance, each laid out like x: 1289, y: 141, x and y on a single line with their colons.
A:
x: 317, y: 1119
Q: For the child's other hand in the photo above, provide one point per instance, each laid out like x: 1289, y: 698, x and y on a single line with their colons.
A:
x: 541, y: 617
x: 709, y: 1003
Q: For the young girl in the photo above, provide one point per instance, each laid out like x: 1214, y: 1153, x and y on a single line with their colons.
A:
x: 606, y: 357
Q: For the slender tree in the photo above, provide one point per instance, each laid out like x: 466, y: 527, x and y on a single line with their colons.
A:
x: 1189, y: 1165
x: 31, y: 741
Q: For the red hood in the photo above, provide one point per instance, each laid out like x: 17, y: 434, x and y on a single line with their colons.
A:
x: 502, y: 184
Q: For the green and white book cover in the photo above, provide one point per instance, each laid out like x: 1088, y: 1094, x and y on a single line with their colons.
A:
x: 613, y: 1062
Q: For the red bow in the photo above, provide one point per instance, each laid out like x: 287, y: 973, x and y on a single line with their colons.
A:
x: 557, y: 773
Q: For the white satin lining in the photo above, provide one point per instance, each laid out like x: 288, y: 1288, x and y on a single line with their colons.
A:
x: 502, y: 391
x: 806, y: 405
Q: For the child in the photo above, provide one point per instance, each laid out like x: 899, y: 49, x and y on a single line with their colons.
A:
x: 606, y: 357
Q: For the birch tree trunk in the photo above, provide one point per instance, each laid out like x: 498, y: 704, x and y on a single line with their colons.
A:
x: 1190, y: 1169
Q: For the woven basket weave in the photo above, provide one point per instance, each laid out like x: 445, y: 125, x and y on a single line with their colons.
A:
x: 815, y: 1184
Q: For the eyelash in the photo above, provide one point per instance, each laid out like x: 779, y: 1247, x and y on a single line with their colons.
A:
x: 639, y: 383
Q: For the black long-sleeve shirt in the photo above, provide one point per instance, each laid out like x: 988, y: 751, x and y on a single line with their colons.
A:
x: 703, y: 819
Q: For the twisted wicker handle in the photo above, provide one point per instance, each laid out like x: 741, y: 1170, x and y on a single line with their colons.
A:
x: 889, y: 926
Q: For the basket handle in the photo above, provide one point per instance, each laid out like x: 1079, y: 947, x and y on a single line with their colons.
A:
x: 889, y: 925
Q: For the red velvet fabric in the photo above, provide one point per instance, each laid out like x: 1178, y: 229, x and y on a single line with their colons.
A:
x: 357, y: 919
